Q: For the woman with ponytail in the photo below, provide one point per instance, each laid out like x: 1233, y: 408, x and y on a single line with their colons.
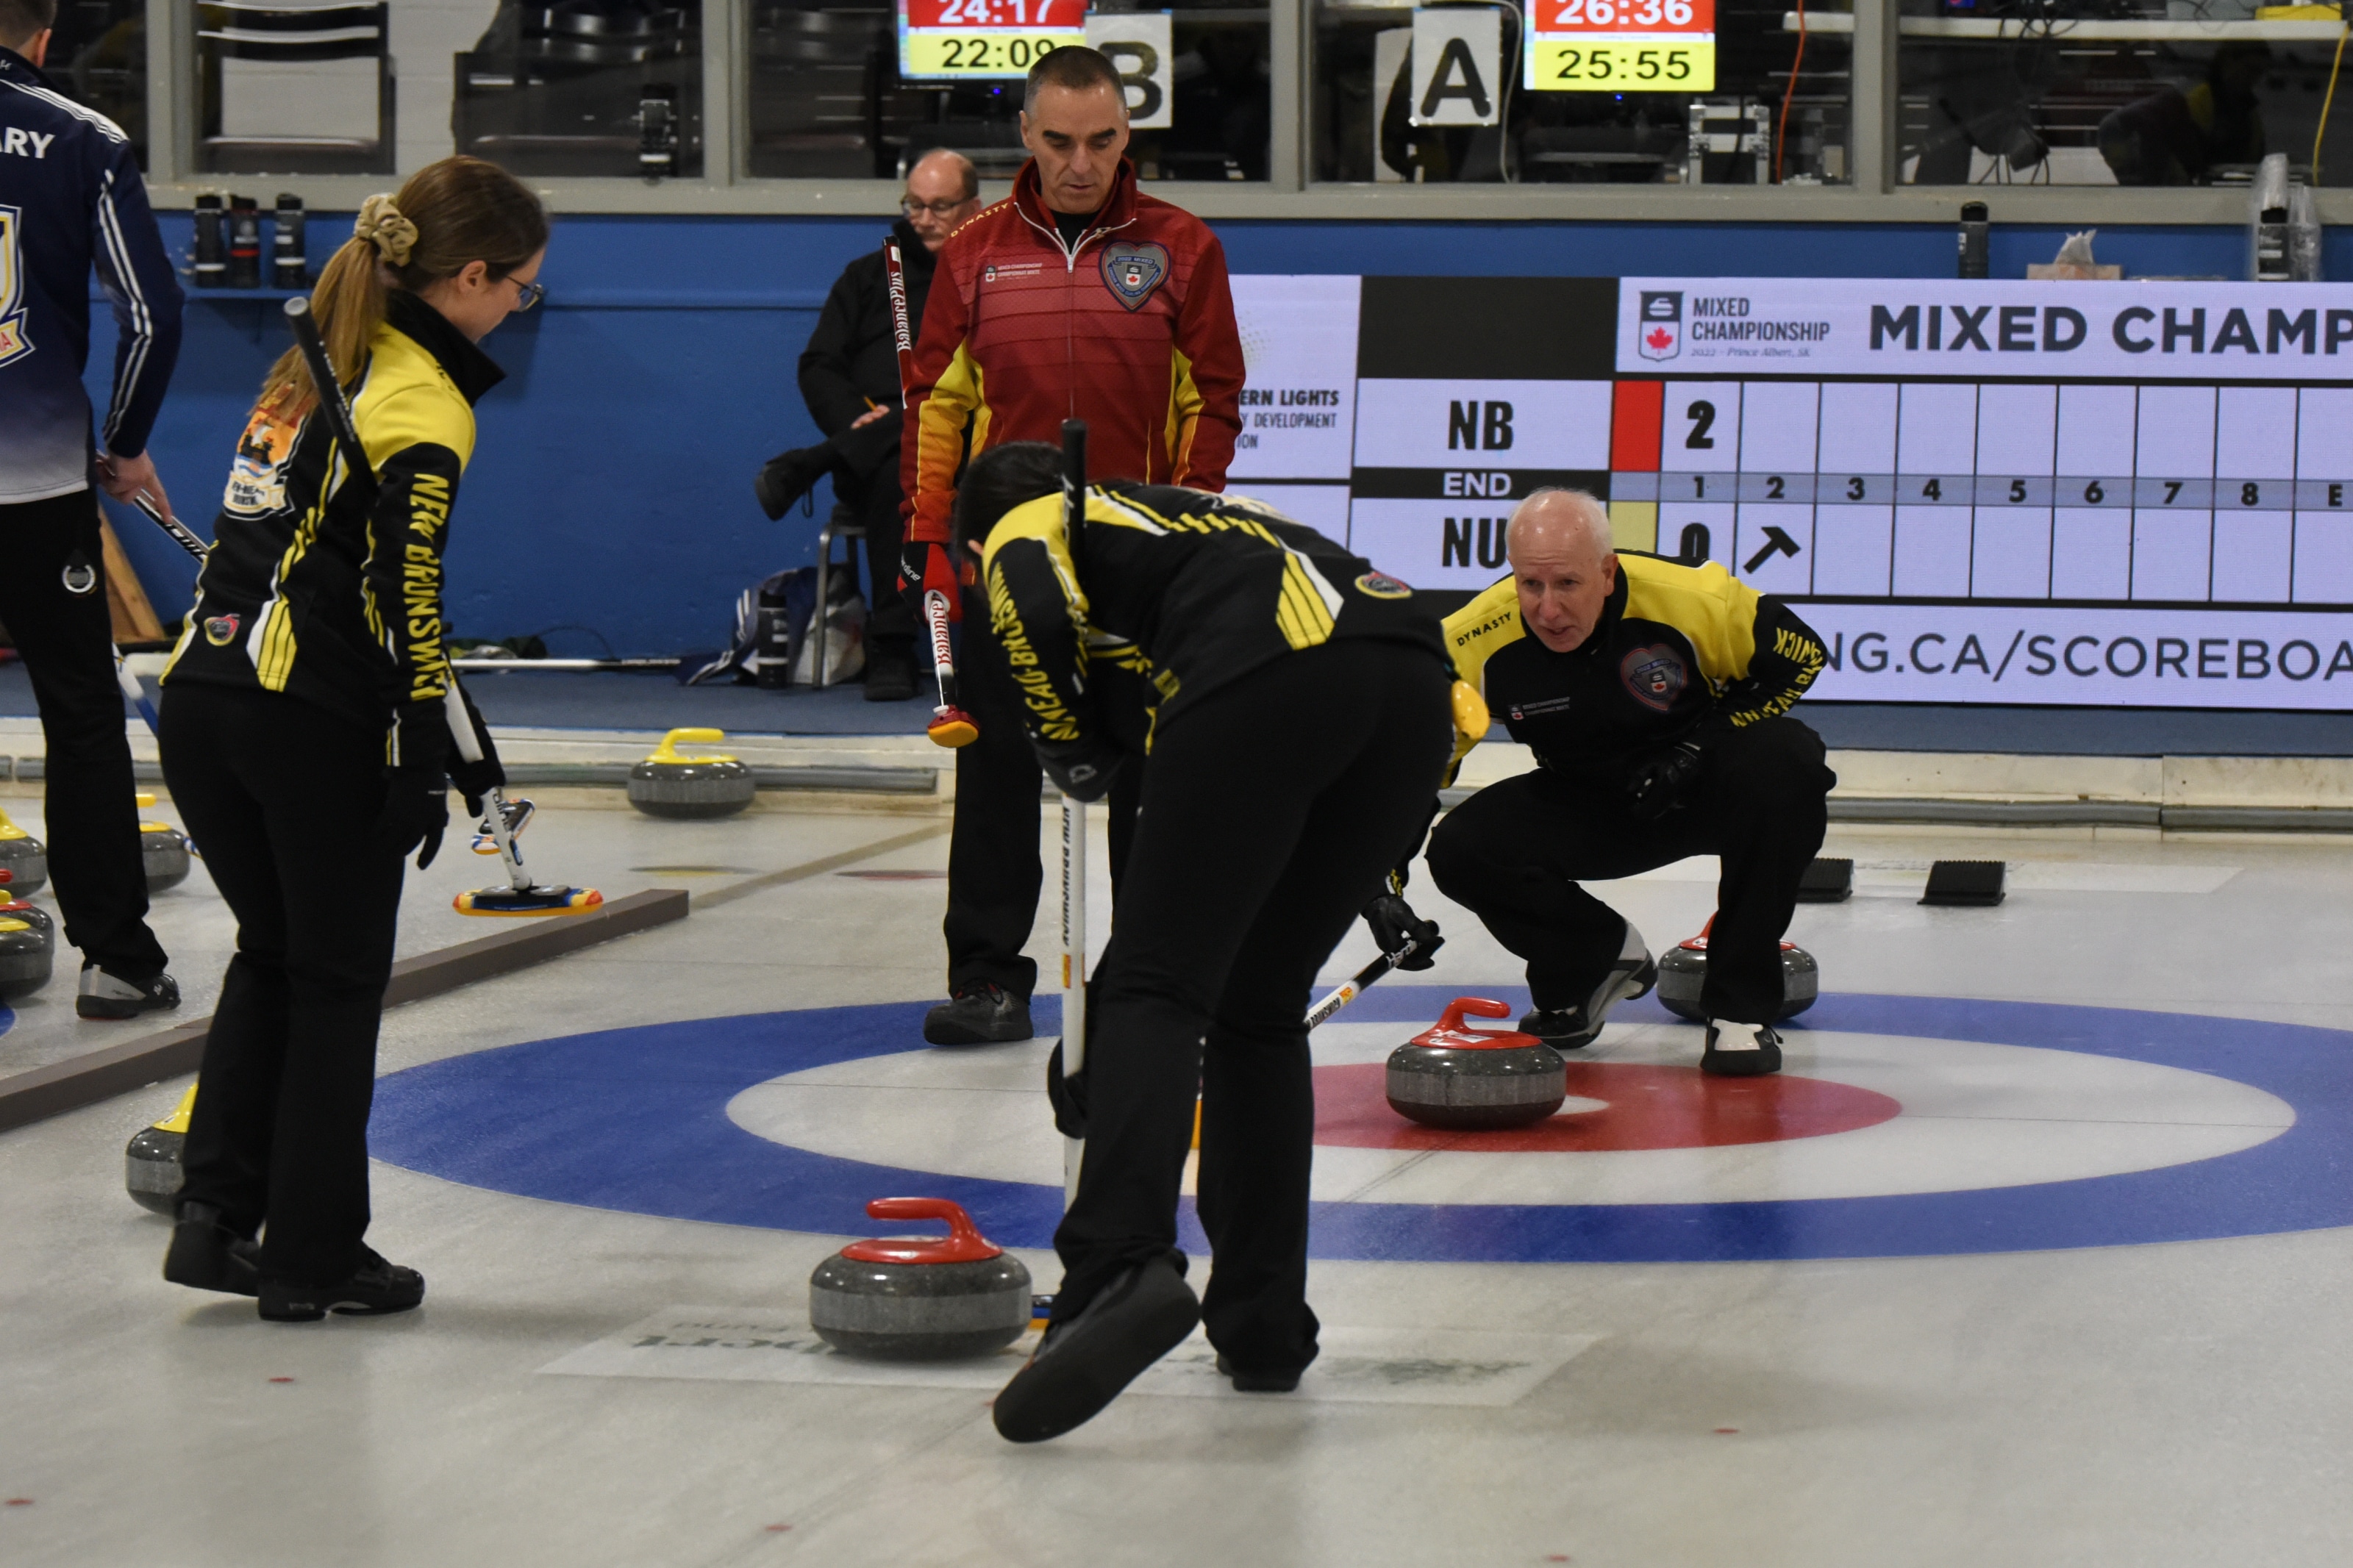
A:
x: 305, y: 739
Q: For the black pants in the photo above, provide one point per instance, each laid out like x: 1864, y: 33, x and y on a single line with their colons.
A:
x: 67, y: 640
x: 1514, y: 853
x: 284, y: 797
x: 866, y: 477
x: 1234, y: 899
x: 994, y: 872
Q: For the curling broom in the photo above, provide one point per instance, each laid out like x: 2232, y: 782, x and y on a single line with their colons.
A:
x: 950, y: 725
x: 522, y: 896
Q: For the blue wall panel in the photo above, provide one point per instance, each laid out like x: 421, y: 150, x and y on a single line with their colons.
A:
x: 611, y: 489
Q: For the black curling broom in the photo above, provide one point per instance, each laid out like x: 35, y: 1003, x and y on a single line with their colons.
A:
x: 521, y: 896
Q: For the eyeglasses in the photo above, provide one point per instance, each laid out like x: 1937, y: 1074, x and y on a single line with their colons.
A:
x: 911, y: 207
x: 528, y: 294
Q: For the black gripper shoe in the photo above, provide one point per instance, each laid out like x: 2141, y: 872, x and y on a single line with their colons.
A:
x: 982, y: 1014
x: 375, y: 1289
x: 1740, y: 1050
x: 206, y: 1254
x: 1257, y: 1381
x: 1082, y: 1365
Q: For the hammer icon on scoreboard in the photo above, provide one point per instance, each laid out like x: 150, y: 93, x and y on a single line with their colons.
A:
x: 1776, y: 543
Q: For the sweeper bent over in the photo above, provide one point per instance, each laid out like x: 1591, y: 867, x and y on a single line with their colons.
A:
x: 1299, y: 723
x: 1655, y: 696
x: 305, y: 736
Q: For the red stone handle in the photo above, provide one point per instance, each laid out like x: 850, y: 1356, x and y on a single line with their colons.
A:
x: 962, y: 1244
x: 1452, y: 1019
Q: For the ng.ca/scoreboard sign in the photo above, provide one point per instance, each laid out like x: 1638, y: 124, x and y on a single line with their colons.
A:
x: 1978, y: 491
x: 1622, y: 45
x: 982, y: 39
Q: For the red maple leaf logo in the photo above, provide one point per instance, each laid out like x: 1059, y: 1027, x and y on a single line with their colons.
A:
x: 1659, y: 338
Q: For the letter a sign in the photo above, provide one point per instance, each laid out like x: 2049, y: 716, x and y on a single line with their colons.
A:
x: 1458, y: 66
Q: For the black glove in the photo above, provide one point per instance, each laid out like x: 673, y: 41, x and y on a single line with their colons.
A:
x: 1659, y: 782
x: 475, y: 780
x: 1081, y: 769
x: 415, y: 811
x: 1394, y: 924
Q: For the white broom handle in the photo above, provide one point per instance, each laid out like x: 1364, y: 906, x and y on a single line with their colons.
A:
x: 1074, y: 971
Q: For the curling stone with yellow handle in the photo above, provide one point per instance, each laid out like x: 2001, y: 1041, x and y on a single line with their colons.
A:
x: 674, y: 784
x: 163, y: 848
x: 151, y: 1164
x: 28, y: 946
x: 23, y: 864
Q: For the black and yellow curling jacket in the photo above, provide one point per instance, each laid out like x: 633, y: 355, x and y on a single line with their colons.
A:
x: 318, y: 586
x: 1175, y: 593
x: 1679, y: 649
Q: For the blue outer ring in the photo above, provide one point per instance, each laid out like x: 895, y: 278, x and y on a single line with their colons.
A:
x: 636, y: 1120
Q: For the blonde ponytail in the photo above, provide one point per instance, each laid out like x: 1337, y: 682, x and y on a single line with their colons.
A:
x: 448, y: 215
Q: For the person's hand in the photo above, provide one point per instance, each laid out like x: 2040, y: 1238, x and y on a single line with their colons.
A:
x: 415, y: 811
x: 1081, y: 769
x: 1659, y: 782
x: 475, y: 780
x: 868, y: 417
x: 924, y: 565
x: 1395, y: 924
x: 123, y: 478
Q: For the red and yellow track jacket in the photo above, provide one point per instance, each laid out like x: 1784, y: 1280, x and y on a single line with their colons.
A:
x: 1131, y: 330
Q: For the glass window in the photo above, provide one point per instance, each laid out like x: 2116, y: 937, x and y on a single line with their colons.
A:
x: 1604, y: 91
x: 2133, y: 92
x: 841, y: 92
x: 586, y: 89
x: 293, y: 89
x: 98, y: 57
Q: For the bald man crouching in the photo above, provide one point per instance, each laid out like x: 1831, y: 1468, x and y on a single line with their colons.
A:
x: 1655, y: 696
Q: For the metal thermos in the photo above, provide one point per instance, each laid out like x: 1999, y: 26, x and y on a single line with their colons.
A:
x: 1976, y: 241
x: 244, y: 243
x: 290, y: 265
x: 212, y: 247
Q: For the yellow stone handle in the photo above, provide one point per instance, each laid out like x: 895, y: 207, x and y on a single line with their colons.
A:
x: 667, y: 751
x: 1470, y: 716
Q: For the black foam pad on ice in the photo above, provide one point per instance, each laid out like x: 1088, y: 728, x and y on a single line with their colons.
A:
x: 1965, y: 882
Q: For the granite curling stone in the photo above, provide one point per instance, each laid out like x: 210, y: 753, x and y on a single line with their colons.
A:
x: 672, y: 784
x: 151, y: 1162
x: 28, y: 946
x: 1682, y: 970
x: 164, y: 849
x: 1456, y: 1077
x: 23, y: 864
x: 920, y: 1297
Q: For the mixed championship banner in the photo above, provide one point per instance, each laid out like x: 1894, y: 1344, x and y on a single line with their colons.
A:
x: 1981, y: 491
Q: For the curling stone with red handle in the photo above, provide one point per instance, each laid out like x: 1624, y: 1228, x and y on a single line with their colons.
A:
x: 920, y: 1297
x: 1457, y: 1077
x: 1682, y: 972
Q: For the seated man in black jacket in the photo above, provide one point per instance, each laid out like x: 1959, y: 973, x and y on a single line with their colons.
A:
x: 849, y: 378
x: 1656, y: 697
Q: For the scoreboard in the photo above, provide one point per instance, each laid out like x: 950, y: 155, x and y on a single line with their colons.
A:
x: 2067, y: 493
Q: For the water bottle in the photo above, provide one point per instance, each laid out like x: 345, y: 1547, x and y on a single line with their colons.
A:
x: 1977, y: 242
x: 289, y: 265
x: 212, y: 248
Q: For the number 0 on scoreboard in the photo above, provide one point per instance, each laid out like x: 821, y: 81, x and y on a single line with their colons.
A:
x: 1622, y: 45
x: 972, y: 39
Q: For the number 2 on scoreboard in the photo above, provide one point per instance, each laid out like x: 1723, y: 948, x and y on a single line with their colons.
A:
x: 1630, y: 13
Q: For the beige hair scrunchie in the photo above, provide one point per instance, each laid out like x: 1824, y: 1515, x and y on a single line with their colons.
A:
x: 382, y: 226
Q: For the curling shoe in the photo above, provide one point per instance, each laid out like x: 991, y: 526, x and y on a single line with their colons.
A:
x: 105, y: 996
x: 1257, y: 1381
x: 206, y: 1254
x: 788, y: 476
x: 375, y: 1289
x: 1740, y: 1050
x: 982, y: 1014
x: 1574, y: 1028
x: 1082, y: 1364
x: 890, y: 669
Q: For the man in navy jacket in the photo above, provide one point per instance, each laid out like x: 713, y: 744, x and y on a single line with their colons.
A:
x: 71, y: 200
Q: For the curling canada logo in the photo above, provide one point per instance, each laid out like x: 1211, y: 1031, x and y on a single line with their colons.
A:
x: 1661, y: 328
x: 1654, y: 676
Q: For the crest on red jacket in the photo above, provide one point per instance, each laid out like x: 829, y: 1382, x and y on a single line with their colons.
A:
x: 1133, y: 271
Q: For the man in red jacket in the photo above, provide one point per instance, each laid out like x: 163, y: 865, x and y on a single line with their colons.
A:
x: 1082, y: 297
